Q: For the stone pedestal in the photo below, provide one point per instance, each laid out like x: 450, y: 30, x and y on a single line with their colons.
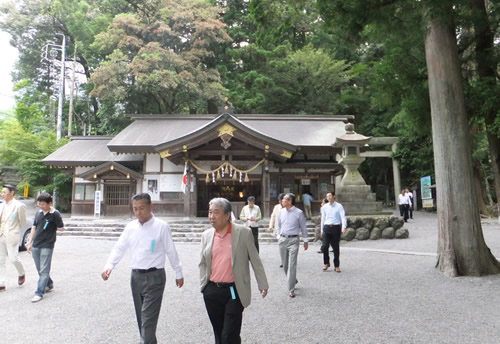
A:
x: 353, y: 193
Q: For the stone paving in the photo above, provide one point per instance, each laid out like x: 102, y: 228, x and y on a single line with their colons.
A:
x: 388, y: 292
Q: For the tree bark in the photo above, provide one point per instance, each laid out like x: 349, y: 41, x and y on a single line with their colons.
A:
x: 486, y: 70
x: 461, y: 246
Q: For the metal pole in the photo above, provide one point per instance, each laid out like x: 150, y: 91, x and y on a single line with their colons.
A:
x: 70, y: 112
x: 61, y: 89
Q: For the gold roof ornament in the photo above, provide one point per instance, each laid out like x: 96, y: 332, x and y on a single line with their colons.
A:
x: 165, y: 154
x: 226, y: 128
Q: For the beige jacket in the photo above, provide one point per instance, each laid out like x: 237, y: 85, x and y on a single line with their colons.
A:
x: 243, y: 252
x: 16, y: 220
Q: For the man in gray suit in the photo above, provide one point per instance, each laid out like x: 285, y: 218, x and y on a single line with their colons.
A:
x: 12, y: 220
x: 226, y: 251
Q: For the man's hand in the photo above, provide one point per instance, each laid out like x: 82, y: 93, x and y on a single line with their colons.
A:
x: 343, y: 230
x: 105, y: 274
x: 28, y: 248
x: 270, y: 229
x: 179, y: 282
x: 263, y: 293
x: 306, y: 246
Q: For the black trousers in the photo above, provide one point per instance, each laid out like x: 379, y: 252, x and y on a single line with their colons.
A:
x: 225, y: 313
x: 403, y: 211
x: 147, y: 292
x: 331, y: 237
x: 255, y: 232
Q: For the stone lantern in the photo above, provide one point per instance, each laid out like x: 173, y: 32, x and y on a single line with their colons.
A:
x: 352, y: 191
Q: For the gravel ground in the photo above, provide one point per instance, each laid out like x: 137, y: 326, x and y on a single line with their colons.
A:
x: 388, y: 292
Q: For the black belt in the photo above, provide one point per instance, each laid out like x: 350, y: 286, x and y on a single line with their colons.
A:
x: 143, y: 271
x: 222, y: 284
x: 331, y: 225
x: 289, y: 236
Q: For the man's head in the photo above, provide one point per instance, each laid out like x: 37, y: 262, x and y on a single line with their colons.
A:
x: 330, y: 196
x: 280, y: 199
x: 251, y: 201
x: 324, y: 201
x: 288, y: 200
x: 142, y: 207
x: 44, y: 201
x: 219, y: 212
x: 8, y: 192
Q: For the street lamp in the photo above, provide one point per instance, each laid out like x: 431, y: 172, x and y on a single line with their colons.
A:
x: 49, y: 53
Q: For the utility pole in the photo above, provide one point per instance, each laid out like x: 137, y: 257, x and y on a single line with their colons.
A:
x: 61, y: 88
x: 70, y: 112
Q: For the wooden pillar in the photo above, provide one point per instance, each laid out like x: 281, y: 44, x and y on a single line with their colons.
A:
x: 187, y: 194
x: 266, y: 190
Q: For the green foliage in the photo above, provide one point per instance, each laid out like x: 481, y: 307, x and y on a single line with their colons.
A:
x: 159, y: 61
x: 26, y: 150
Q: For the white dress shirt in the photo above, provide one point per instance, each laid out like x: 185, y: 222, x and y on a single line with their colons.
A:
x: 333, y: 214
x: 149, y: 243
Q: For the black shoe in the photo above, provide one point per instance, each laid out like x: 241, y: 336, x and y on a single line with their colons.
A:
x: 320, y: 251
x: 281, y: 265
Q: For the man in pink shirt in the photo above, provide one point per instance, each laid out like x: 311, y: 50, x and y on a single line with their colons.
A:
x: 226, y: 251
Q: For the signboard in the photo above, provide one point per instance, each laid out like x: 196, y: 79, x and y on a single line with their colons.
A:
x: 97, y: 203
x: 427, y: 203
x: 425, y: 187
x: 306, y: 181
x: 26, y: 189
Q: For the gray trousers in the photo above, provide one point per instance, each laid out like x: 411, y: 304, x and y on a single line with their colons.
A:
x: 289, y: 251
x: 147, y: 291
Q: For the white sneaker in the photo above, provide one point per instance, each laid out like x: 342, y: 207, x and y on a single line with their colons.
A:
x: 36, y: 298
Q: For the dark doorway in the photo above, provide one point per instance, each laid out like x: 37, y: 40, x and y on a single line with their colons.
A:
x: 234, y: 191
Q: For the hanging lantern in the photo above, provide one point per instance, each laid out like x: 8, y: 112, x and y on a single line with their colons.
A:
x: 246, y: 178
x: 207, y: 179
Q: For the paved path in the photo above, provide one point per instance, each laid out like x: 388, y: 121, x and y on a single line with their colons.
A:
x: 388, y: 292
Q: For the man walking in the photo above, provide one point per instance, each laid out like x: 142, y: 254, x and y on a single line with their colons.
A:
x: 226, y: 251
x: 273, y: 222
x: 291, y: 222
x: 150, y: 241
x: 333, y: 223
x: 306, y: 200
x: 42, y: 240
x: 251, y: 215
x: 404, y: 204
x: 12, y: 220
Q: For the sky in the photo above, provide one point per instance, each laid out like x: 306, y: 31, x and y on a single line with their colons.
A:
x: 8, y: 59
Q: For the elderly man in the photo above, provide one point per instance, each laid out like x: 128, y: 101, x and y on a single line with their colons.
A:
x: 291, y: 222
x: 250, y: 214
x: 226, y: 251
x: 150, y: 241
x: 12, y: 220
x: 273, y: 222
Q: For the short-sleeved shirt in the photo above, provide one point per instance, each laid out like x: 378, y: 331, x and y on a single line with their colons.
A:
x: 46, y: 228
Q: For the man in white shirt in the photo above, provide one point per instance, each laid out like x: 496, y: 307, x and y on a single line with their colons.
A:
x: 250, y: 214
x: 404, y: 204
x: 333, y: 223
x: 150, y: 241
x: 273, y: 222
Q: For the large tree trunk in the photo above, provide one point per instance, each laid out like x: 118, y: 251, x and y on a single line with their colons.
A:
x: 461, y: 246
x: 486, y: 70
